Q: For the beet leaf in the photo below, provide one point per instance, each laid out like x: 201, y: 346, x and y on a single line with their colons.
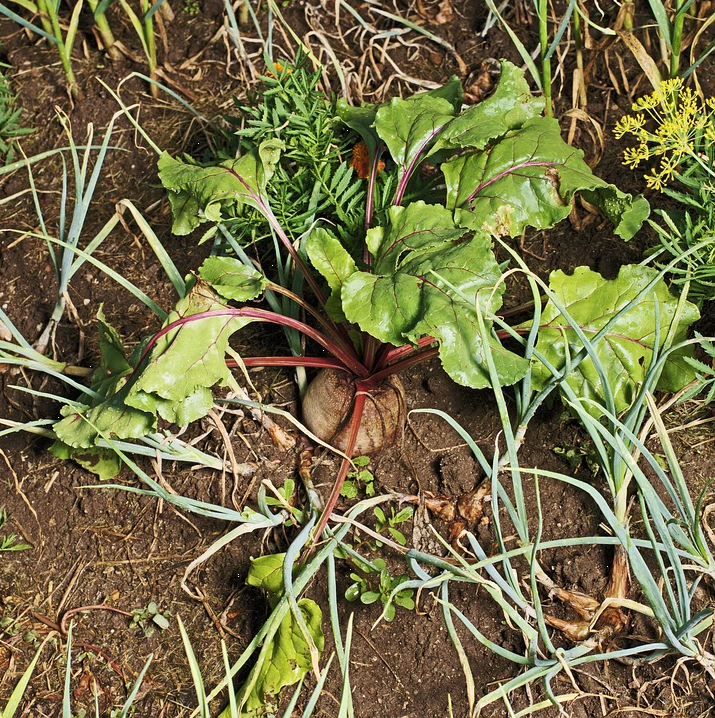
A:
x: 529, y: 179
x: 626, y: 350
x: 430, y: 278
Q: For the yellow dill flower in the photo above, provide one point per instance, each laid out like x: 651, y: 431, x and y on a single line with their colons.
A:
x: 654, y: 181
x: 667, y: 168
x: 682, y: 145
x: 683, y: 133
x: 688, y: 102
x: 633, y: 156
x: 622, y: 127
x: 638, y: 123
x: 648, y: 102
x: 668, y: 88
x: 669, y: 128
x: 629, y: 124
x: 676, y: 135
x: 658, y: 179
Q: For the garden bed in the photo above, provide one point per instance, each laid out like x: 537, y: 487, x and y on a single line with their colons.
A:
x: 92, y: 546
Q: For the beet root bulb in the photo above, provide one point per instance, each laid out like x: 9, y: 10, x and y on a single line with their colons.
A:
x: 328, y: 408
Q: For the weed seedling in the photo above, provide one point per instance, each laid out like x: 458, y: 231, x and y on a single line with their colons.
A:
x: 384, y: 522
x: 10, y: 126
x: 150, y: 618
x: 10, y: 542
x: 191, y: 8
x: 360, y: 479
x: 386, y: 591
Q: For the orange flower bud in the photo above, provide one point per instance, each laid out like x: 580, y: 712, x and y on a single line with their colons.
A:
x: 360, y: 161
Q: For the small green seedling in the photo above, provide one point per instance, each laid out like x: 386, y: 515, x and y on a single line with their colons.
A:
x: 577, y: 456
x: 191, y: 8
x: 10, y: 125
x: 285, y: 499
x: 10, y: 543
x: 150, y: 618
x: 382, y: 522
x: 360, y: 588
x: 361, y: 478
x: 387, y: 524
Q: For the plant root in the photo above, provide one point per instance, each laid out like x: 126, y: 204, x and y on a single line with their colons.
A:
x: 599, y: 621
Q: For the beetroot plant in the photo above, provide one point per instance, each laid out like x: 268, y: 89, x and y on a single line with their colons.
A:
x: 384, y: 256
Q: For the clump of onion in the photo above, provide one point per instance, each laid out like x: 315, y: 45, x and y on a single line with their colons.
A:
x: 328, y: 409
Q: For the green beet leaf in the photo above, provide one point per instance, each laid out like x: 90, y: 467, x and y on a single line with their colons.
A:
x: 113, y: 362
x: 209, y: 194
x: 112, y: 418
x: 626, y: 350
x: 108, y: 415
x: 333, y: 261
x: 287, y: 657
x: 528, y: 179
x: 173, y: 381
x: 103, y: 462
x: 182, y: 366
x: 232, y: 279
x: 409, y: 127
x: 287, y: 662
x: 508, y: 108
x: 626, y: 213
x: 428, y: 279
x: 452, y: 91
x: 330, y: 258
x: 193, y: 406
x: 266, y: 572
x: 362, y: 119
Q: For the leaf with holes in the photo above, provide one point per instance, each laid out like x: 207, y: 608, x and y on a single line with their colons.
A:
x: 529, y: 179
x: 287, y: 655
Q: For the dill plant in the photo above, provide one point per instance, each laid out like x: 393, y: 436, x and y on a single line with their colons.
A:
x: 683, y: 136
x: 675, y: 133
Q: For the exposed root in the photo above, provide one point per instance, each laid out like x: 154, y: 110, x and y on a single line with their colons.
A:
x: 598, y: 621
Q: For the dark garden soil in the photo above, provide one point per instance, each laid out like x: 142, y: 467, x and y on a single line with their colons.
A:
x: 93, y: 546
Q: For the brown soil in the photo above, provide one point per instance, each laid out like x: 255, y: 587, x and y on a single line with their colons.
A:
x: 94, y: 546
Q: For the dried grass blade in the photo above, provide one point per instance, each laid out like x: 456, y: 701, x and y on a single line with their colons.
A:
x: 643, y: 58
